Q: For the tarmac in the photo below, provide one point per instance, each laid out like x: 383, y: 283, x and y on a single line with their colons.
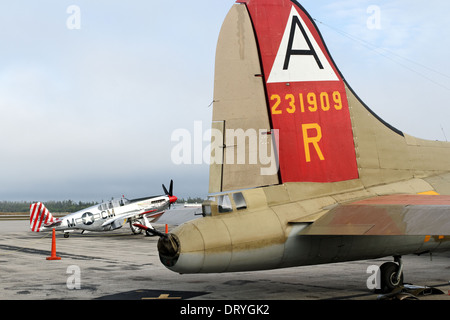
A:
x: 118, y: 265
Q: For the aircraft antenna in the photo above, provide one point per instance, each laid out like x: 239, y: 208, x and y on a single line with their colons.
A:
x: 445, y: 136
x: 388, y: 54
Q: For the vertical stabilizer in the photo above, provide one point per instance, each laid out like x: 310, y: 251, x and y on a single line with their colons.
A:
x: 276, y: 77
x: 39, y: 217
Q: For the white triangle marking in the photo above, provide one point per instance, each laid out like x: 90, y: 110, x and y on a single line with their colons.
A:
x: 300, y: 67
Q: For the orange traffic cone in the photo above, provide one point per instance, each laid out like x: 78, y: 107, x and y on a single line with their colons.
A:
x: 167, y: 229
x: 53, y: 257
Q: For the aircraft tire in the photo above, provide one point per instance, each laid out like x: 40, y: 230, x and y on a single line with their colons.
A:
x: 134, y: 229
x: 389, y: 277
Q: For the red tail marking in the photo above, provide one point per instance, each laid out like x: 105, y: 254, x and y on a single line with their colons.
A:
x: 305, y: 91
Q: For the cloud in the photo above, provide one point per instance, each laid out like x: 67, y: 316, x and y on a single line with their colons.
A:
x: 399, y: 69
x: 88, y: 113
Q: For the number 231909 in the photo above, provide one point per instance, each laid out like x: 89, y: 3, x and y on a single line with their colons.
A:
x: 307, y: 102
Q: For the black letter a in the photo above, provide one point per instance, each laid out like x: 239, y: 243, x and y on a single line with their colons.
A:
x: 290, y: 51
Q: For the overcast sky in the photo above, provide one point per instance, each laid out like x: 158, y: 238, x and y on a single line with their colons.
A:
x: 88, y: 105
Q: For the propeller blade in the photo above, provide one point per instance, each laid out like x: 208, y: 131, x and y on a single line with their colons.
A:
x: 165, y: 190
x: 169, y: 193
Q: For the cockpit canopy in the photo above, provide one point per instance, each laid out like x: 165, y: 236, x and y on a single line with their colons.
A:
x: 114, y: 203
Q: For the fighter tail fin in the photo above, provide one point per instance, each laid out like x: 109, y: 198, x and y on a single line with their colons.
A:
x: 39, y: 217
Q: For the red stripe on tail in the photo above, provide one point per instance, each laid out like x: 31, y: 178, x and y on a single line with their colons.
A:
x: 43, y: 215
x: 36, y: 216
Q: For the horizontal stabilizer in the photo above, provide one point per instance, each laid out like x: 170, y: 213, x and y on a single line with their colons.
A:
x: 419, y: 215
x: 55, y: 223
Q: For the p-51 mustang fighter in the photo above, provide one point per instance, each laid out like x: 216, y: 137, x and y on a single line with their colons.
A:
x: 106, y: 216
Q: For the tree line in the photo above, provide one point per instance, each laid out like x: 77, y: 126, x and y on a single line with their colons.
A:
x: 68, y: 206
x: 191, y: 200
x: 53, y: 206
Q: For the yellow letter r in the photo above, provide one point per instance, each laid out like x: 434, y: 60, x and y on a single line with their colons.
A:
x: 312, y: 140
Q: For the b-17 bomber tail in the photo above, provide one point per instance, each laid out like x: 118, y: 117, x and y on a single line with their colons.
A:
x: 287, y: 88
x: 302, y: 171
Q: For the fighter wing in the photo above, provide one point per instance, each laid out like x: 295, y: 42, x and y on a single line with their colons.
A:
x: 120, y: 220
x: 421, y: 215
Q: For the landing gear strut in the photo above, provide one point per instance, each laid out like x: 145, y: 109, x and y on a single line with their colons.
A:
x: 391, y: 275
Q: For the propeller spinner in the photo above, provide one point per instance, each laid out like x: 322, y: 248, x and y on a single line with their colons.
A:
x: 169, y: 193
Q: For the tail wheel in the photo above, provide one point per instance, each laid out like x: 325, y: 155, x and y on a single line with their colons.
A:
x: 389, y: 277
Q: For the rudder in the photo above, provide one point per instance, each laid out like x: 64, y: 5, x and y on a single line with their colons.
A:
x: 306, y: 95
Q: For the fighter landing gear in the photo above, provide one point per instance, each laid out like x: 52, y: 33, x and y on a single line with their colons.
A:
x: 135, y: 229
x: 391, y: 275
x: 143, y: 222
